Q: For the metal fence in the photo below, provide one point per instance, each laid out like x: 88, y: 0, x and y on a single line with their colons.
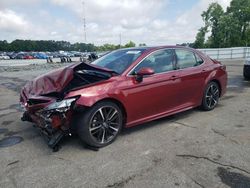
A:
x: 227, y: 53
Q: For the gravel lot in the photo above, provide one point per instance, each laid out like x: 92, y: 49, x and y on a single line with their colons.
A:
x: 190, y: 149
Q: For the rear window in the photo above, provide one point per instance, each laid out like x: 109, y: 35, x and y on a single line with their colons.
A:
x: 198, y: 60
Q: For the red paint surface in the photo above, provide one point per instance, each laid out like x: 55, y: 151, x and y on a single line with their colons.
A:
x: 156, y: 96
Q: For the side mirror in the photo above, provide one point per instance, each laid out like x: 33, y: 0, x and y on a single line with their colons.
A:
x: 145, y: 71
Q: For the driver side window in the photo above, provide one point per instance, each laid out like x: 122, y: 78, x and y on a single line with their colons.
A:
x: 160, y: 61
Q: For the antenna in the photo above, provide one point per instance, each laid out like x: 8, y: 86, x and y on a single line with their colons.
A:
x: 84, y: 22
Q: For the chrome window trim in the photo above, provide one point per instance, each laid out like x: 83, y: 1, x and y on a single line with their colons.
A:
x: 130, y: 75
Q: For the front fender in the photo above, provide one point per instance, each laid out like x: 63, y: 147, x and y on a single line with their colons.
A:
x: 91, y: 95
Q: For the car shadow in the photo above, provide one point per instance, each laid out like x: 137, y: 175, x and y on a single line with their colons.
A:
x: 160, y: 122
x: 237, y: 84
x: 75, y: 142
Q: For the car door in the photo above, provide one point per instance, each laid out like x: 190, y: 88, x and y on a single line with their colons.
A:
x: 156, y: 93
x: 192, y: 77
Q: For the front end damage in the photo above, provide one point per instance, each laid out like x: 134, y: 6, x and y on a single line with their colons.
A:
x: 53, y: 120
x: 45, y: 103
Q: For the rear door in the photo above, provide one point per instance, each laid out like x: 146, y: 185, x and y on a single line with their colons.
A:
x: 192, y: 77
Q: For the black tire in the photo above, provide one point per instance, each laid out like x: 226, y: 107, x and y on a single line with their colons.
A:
x: 100, y: 125
x: 246, y: 73
x: 211, y: 96
x: 246, y: 77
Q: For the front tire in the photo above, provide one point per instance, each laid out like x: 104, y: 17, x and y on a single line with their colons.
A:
x: 211, y: 96
x: 101, y: 124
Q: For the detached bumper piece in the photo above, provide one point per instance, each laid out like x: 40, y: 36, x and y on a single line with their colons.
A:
x: 53, y: 139
x: 26, y: 117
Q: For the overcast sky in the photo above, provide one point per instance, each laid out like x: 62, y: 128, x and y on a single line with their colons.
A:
x: 154, y: 22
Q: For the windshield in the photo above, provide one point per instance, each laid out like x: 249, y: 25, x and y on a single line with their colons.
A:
x: 119, y: 60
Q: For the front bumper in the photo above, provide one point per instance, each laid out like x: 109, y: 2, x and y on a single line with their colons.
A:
x: 53, y: 128
x: 53, y: 124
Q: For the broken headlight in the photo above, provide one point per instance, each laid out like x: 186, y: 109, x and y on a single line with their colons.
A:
x: 61, y: 105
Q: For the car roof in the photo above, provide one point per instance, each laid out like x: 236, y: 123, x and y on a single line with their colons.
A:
x: 155, y: 47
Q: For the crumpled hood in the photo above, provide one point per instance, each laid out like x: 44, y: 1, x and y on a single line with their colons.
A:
x: 55, y: 81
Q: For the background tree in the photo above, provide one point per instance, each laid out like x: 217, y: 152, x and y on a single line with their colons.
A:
x: 230, y: 33
x: 51, y: 45
x: 130, y: 44
x: 226, y: 29
x: 211, y: 18
x: 200, y: 38
x: 4, y: 45
x: 240, y: 10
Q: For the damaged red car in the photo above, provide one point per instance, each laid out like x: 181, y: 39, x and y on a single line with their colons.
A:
x: 124, y: 88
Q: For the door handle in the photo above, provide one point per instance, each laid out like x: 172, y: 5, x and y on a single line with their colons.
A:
x: 204, y: 70
x: 174, y: 77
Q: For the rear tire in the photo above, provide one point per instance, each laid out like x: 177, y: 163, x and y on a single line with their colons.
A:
x: 246, y: 73
x: 211, y: 96
x: 100, y: 125
x: 246, y: 77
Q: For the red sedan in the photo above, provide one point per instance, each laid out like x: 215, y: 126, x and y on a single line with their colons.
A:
x: 28, y: 57
x: 124, y: 88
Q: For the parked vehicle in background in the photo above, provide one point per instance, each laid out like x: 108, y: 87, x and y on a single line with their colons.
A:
x: 65, y: 54
x: 12, y: 55
x: 76, y: 54
x: 4, y: 57
x: 124, y: 88
x: 246, y: 69
x: 92, y: 56
x: 88, y: 57
x: 40, y: 55
x: 100, y: 54
x: 19, y: 56
x: 28, y: 57
x: 45, y: 55
x: 84, y: 57
x: 53, y: 54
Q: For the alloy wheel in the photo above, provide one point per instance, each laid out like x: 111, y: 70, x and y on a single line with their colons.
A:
x: 105, y: 124
x: 212, y: 96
